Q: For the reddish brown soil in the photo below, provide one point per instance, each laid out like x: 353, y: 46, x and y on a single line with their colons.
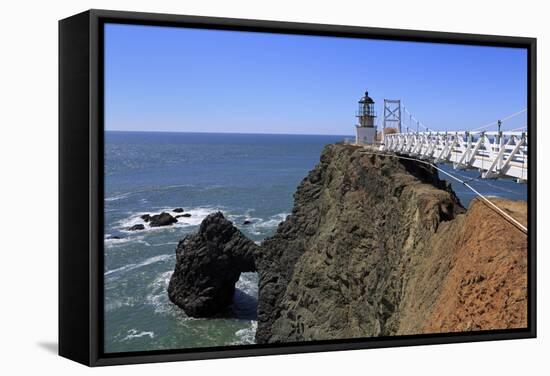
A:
x: 486, y: 287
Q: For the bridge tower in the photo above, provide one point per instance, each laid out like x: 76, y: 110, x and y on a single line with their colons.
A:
x: 392, y: 115
x: 365, y: 133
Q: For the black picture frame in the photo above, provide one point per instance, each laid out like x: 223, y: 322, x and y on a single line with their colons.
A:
x: 81, y: 185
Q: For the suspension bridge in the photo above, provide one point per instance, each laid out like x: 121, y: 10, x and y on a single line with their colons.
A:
x: 495, y: 152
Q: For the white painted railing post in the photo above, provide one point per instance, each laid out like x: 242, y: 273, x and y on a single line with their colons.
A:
x: 495, y: 154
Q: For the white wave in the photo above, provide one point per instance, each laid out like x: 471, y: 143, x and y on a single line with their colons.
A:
x: 112, y: 242
x: 146, y: 262
x: 122, y: 196
x: 131, y: 220
x: 272, y: 222
x: 257, y: 226
x: 238, y: 219
x: 158, y: 298
x: 119, y: 303
x: 167, y: 243
x: 159, y: 295
x: 246, y: 216
x: 248, y: 283
x: 197, y: 216
x: 261, y: 226
x: 133, y: 333
x: 247, y: 336
x: 118, y: 197
x: 175, y: 186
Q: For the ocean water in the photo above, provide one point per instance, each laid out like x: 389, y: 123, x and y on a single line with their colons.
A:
x: 247, y: 177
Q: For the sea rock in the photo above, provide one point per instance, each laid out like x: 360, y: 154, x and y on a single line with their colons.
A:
x: 247, y: 222
x: 185, y: 215
x: 136, y: 227
x: 178, y: 210
x: 208, y: 264
x: 146, y: 217
x: 162, y: 219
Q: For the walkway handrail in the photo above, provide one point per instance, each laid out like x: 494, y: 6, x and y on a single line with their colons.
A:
x: 496, y: 154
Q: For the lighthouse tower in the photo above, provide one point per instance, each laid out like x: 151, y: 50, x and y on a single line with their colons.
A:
x: 365, y: 133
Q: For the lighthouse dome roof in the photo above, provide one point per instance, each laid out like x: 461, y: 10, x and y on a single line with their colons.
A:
x: 366, y: 98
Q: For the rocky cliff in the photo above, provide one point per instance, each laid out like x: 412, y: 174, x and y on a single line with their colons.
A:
x: 374, y: 246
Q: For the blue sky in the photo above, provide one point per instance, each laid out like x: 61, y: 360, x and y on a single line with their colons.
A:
x: 189, y: 80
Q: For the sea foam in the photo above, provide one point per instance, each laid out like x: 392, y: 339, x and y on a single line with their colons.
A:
x: 158, y: 298
x: 133, y: 333
x: 246, y: 336
x: 146, y: 262
x: 197, y: 216
x: 261, y: 226
x: 110, y: 242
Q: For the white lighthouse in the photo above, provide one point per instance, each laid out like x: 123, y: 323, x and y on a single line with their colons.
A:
x: 365, y: 132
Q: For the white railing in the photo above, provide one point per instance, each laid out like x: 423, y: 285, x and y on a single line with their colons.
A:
x: 495, y: 154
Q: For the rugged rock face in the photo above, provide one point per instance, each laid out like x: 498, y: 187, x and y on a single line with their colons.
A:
x: 374, y: 246
x: 486, y: 286
x: 380, y: 246
x: 208, y: 265
x: 359, y: 221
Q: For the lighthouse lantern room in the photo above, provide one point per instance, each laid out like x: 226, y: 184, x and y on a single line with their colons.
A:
x: 365, y: 132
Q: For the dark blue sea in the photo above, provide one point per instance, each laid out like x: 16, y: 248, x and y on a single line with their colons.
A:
x: 247, y: 177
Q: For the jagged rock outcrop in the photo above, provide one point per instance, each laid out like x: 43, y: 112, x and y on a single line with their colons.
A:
x: 374, y: 246
x: 208, y: 264
x: 358, y: 222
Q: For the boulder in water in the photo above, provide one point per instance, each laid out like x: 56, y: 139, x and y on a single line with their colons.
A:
x: 208, y: 264
x: 136, y: 227
x: 162, y: 219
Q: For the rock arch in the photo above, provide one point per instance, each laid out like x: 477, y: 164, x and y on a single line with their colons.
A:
x: 208, y: 265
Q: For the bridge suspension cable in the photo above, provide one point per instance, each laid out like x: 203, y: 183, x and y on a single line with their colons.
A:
x: 485, y: 199
x: 412, y: 117
x: 502, y: 154
x: 501, y: 120
x: 506, y: 118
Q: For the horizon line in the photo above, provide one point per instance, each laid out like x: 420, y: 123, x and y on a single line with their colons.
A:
x: 258, y: 133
